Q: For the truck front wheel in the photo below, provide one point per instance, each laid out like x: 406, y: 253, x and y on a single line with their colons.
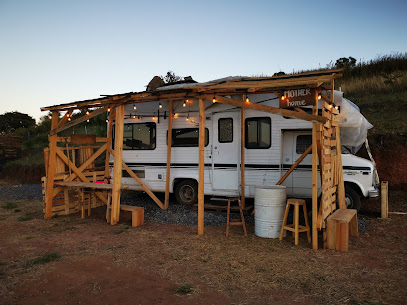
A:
x: 352, y: 198
x: 186, y: 192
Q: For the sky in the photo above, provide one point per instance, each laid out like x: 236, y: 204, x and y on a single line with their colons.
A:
x: 54, y: 52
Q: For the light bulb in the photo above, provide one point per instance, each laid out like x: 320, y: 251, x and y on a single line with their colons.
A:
x: 283, y: 98
x: 69, y: 119
x: 214, y: 100
x: 160, y: 106
x: 134, y: 107
x: 87, y: 120
x: 247, y: 99
x: 184, y: 104
x: 319, y: 96
x: 108, y: 109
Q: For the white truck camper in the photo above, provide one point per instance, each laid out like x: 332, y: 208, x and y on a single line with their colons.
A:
x: 272, y: 144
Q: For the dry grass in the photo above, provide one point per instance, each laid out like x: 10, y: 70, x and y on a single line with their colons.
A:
x: 248, y: 270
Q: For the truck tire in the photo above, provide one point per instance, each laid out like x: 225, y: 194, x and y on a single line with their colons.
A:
x: 186, y: 192
x: 352, y: 198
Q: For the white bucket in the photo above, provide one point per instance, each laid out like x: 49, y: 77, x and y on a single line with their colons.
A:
x: 269, y: 207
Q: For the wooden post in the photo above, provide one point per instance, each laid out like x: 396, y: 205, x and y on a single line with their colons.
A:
x: 109, y: 143
x: 52, y: 159
x: 117, y: 169
x: 168, y: 174
x: 201, y: 181
x: 314, y: 177
x: 242, y: 156
x: 385, y: 199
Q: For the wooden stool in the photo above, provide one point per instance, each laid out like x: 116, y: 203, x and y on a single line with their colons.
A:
x: 340, y: 225
x: 234, y: 222
x: 295, y: 227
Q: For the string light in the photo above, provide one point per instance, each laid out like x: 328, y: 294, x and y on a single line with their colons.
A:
x: 247, y: 99
x: 214, y: 98
x: 283, y: 97
x: 50, y: 117
x: 319, y: 96
x: 108, y: 109
x: 184, y: 104
x: 87, y: 112
x: 187, y: 101
x: 107, y: 121
x: 87, y: 120
x: 134, y: 116
x: 69, y: 119
x: 187, y: 118
x: 330, y: 106
x: 160, y: 106
x: 337, y: 107
x: 134, y: 107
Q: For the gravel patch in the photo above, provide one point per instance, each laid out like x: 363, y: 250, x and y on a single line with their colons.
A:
x: 21, y: 192
x: 176, y: 213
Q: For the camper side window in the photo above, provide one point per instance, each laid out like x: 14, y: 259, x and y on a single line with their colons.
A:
x: 258, y: 133
x: 302, y: 143
x: 187, y: 137
x: 138, y: 136
x: 225, y: 130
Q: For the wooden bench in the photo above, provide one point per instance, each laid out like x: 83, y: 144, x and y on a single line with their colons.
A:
x: 137, y: 214
x: 340, y: 225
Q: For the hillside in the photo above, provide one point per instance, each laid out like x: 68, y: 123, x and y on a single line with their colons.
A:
x: 379, y: 88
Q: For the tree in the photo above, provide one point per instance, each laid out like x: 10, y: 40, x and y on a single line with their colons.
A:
x: 345, y: 62
x: 11, y: 121
x: 171, y: 77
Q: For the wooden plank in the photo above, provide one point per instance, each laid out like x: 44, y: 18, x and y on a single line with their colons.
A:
x: 385, y: 199
x: 339, y: 173
x: 145, y: 188
x: 306, y: 152
x: 83, y: 139
x: 314, y: 179
x: 201, y: 165
x: 117, y: 167
x: 169, y: 144
x: 65, y: 118
x: 51, y: 167
x: 77, y: 171
x: 242, y: 157
x: 109, y: 143
x: 270, y: 109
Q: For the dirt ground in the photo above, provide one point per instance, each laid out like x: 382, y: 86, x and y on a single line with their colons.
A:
x: 67, y: 260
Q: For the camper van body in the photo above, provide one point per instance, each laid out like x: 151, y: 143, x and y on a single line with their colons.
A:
x: 272, y: 144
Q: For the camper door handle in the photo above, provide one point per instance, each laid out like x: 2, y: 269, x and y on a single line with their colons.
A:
x: 216, y: 147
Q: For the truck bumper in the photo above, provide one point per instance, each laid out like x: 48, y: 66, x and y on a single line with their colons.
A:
x: 373, y: 193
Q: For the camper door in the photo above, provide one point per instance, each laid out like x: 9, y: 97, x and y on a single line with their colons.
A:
x: 225, y: 157
x: 294, y: 145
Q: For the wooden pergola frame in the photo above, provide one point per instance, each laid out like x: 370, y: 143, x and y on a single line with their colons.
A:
x: 325, y: 137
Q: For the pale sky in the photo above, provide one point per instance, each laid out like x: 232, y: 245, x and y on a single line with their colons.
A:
x: 54, y: 52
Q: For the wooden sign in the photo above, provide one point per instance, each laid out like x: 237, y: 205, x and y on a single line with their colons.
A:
x: 297, y: 98
x: 83, y: 139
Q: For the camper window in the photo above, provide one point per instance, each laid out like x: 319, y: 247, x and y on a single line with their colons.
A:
x: 303, y: 142
x: 225, y: 130
x: 187, y: 137
x: 258, y: 133
x: 138, y: 136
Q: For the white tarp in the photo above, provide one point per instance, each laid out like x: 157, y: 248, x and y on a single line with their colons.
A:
x: 353, y: 124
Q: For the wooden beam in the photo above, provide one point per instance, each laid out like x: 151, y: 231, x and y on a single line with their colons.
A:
x: 314, y: 178
x: 65, y: 118
x: 309, y: 149
x: 109, y: 142
x: 201, y: 202
x: 242, y: 155
x: 78, y: 121
x: 117, y: 167
x: 280, y: 111
x: 169, y: 142
x: 138, y: 180
x: 76, y: 170
x: 52, y: 158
